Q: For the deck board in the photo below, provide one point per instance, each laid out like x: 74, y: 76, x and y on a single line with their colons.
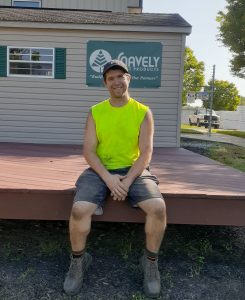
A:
x: 37, y: 182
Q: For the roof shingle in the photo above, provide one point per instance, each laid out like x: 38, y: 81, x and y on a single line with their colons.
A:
x: 90, y: 17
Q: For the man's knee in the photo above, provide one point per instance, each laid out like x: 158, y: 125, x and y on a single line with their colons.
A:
x: 157, y: 209
x: 160, y: 210
x: 82, y: 209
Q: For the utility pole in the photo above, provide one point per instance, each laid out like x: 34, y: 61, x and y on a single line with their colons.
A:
x: 211, y: 103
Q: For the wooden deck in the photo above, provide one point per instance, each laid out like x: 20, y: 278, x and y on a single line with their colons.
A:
x: 37, y: 182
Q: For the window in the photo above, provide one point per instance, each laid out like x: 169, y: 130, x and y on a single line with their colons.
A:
x: 27, y: 61
x: 32, y: 62
x: 23, y: 3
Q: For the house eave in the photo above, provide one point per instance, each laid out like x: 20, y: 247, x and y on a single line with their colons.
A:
x: 96, y: 27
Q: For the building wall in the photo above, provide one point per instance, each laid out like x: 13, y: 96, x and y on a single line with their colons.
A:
x: 41, y: 110
x: 109, y: 5
x: 5, y: 2
x: 134, y: 3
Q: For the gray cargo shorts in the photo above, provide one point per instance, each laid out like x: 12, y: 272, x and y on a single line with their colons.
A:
x: 91, y: 188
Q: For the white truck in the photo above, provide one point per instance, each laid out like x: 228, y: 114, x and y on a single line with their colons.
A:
x: 201, y: 117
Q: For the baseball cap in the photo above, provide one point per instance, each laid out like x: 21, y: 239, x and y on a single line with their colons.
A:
x: 115, y: 63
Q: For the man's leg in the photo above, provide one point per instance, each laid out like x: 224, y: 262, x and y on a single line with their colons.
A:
x: 146, y: 194
x: 80, y: 225
x: 154, y: 229
x: 155, y: 222
x: 91, y: 193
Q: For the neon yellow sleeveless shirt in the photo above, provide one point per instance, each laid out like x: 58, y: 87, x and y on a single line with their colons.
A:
x: 117, y: 130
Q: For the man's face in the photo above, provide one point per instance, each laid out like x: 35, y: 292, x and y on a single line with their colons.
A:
x: 117, y: 82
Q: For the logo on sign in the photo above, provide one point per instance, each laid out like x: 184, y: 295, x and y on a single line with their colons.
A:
x: 98, y: 59
x: 140, y: 63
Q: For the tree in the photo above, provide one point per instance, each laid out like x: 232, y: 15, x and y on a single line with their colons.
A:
x: 242, y: 101
x: 193, y: 74
x: 226, y: 96
x: 232, y: 34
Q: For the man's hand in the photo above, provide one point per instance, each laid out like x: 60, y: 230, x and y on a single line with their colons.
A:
x: 118, y: 190
x: 126, y: 183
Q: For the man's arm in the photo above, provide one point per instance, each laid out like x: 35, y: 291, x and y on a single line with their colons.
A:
x: 89, y: 151
x: 89, y: 148
x: 145, y: 147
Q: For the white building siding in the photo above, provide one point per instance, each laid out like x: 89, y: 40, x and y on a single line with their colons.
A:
x: 134, y: 3
x: 5, y: 2
x: 110, y: 5
x: 37, y: 110
x: 9, y: 2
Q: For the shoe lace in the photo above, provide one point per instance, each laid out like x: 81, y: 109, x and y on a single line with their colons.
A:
x: 74, y: 266
x: 152, y: 269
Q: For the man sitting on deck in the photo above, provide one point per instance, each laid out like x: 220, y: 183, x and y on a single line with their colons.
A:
x: 118, y: 147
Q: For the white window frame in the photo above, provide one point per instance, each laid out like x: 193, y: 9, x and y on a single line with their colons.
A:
x: 30, y: 61
x: 38, y: 1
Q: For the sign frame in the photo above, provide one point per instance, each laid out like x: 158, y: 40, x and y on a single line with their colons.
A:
x: 144, y: 61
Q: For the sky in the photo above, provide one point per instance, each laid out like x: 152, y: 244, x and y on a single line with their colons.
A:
x: 203, y: 39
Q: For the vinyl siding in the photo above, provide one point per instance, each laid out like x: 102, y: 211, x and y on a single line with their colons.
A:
x: 134, y: 3
x: 6, y: 2
x: 109, y: 5
x: 41, y: 110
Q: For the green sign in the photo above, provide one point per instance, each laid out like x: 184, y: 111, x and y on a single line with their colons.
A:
x: 144, y: 61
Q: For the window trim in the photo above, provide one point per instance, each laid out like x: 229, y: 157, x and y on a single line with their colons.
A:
x: 38, y: 1
x: 30, y: 76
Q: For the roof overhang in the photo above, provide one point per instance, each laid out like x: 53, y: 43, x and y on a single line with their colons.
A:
x: 96, y: 27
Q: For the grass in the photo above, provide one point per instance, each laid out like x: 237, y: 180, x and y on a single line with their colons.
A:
x: 49, y: 247
x: 188, y: 255
x: 237, y: 133
x: 186, y: 128
x: 227, y: 154
x: 121, y: 244
x: 26, y: 273
x: 168, y: 278
x: 138, y: 296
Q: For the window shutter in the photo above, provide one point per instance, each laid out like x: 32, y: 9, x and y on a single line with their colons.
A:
x: 60, y: 63
x: 3, y: 61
